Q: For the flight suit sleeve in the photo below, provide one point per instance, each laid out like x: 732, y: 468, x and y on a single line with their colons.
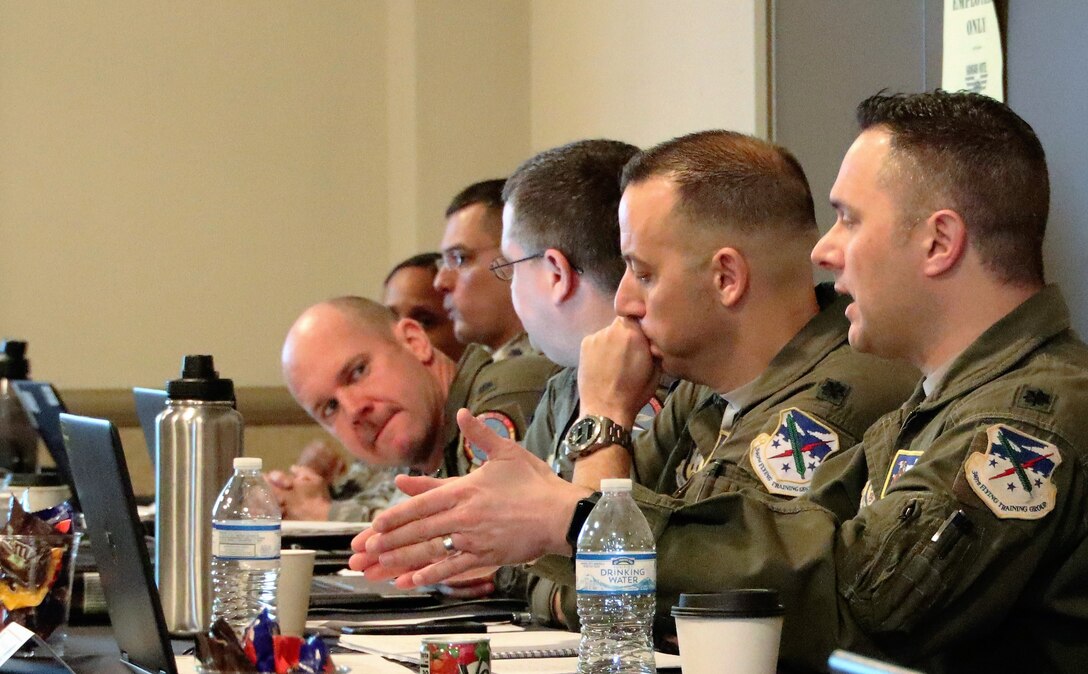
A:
x: 511, y: 389
x: 361, y: 493
x: 540, y: 436
x: 653, y: 447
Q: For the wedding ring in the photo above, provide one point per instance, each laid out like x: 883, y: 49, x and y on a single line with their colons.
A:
x: 447, y: 543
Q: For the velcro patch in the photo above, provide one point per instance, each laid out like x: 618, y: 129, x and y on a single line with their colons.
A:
x: 786, y: 459
x: 502, y: 425
x: 833, y: 391
x: 1013, y: 476
x: 903, y: 461
x: 1033, y: 398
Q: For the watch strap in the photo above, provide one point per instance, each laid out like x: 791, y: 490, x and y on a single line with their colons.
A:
x: 581, y: 514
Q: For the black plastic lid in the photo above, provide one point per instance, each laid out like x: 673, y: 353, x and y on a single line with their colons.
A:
x: 13, y: 362
x: 731, y: 604
x: 200, y: 381
x: 43, y: 479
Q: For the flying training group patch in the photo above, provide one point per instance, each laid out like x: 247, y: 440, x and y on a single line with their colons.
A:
x: 1013, y: 476
x: 786, y: 459
x: 500, y: 424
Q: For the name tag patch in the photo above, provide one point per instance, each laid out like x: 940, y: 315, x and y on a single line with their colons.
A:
x: 786, y: 459
x: 1013, y: 476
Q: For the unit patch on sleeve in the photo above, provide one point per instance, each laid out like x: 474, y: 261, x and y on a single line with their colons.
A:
x: 786, y: 459
x: 645, y: 417
x: 868, y: 495
x: 1013, y: 476
x: 500, y: 424
x: 903, y: 461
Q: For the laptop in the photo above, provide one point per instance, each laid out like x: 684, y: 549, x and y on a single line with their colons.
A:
x: 149, y: 403
x: 117, y: 540
x: 845, y: 662
x: 44, y: 406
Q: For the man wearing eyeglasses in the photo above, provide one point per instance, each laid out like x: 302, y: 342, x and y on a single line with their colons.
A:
x: 478, y: 302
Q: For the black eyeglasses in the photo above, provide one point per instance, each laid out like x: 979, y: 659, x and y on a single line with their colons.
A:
x: 458, y: 257
x: 504, y: 270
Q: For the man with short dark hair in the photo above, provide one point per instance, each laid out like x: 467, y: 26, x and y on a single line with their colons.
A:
x: 478, y: 302
x: 409, y: 291
x: 955, y: 536
x: 561, y: 254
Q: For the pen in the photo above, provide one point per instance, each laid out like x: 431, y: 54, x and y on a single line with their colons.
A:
x: 512, y: 617
x: 950, y: 532
x: 459, y: 627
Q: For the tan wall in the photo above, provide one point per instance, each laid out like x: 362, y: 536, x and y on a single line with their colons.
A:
x: 644, y: 71
x: 186, y: 177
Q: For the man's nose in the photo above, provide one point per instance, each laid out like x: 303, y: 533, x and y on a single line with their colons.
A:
x: 444, y: 279
x: 629, y: 302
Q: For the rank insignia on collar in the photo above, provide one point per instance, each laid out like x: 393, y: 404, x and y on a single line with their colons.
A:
x: 786, y: 459
x: 903, y: 461
x: 1013, y: 476
x: 500, y: 424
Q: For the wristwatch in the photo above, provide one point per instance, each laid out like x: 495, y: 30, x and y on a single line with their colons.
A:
x: 581, y: 514
x: 591, y: 433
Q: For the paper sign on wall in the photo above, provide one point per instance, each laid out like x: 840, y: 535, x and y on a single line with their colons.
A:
x: 972, y: 59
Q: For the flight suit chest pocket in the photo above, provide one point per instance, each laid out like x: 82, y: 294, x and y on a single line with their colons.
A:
x: 906, y: 563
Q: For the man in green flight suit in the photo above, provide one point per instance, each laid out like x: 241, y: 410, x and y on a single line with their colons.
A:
x: 771, y: 386
x: 379, y: 386
x: 954, y: 537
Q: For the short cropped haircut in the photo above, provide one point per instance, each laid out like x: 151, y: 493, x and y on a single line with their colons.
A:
x: 374, y: 315
x: 727, y: 180
x: 974, y: 155
x: 427, y: 261
x: 568, y: 198
x: 486, y: 192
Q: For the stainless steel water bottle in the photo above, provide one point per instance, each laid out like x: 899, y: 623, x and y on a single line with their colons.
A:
x: 18, y: 439
x: 198, y: 435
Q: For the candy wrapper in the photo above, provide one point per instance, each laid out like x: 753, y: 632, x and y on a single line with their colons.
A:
x: 37, y: 557
x: 264, y: 650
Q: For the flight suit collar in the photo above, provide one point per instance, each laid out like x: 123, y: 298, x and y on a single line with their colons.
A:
x: 824, y: 332
x: 1036, y: 321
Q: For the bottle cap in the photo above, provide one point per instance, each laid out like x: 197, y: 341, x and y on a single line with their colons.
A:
x: 13, y: 362
x: 248, y: 463
x: 200, y: 381
x: 614, y: 484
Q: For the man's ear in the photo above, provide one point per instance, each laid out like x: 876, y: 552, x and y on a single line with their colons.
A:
x: 562, y: 278
x: 731, y: 275
x: 412, y: 336
x: 943, y: 241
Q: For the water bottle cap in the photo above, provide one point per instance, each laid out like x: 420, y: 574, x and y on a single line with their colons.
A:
x: 200, y: 381
x: 614, y: 484
x: 248, y: 463
x: 13, y: 362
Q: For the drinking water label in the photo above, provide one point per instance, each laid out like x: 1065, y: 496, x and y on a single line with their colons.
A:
x: 616, y: 572
x: 245, y: 539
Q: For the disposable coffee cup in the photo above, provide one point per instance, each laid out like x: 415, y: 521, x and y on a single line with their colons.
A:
x: 737, y: 631
x: 293, y: 595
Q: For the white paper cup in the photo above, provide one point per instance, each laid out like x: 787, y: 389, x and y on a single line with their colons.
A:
x: 293, y: 592
x: 742, y: 626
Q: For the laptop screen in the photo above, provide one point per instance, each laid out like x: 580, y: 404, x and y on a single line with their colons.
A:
x: 117, y: 540
x: 44, y: 406
x: 149, y: 403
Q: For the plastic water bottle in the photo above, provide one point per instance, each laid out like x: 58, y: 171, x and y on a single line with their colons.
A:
x: 616, y: 578
x: 245, y: 547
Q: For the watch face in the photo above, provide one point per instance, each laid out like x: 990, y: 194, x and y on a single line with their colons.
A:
x: 583, y: 432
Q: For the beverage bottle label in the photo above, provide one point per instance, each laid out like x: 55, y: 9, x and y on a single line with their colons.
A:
x: 245, y: 539
x: 616, y: 572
